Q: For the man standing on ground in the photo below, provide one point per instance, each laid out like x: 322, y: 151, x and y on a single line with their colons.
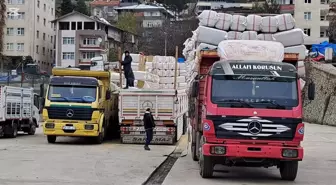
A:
x: 149, y: 125
x: 128, y: 72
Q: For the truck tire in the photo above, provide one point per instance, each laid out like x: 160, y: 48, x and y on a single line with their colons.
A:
x: 206, y: 166
x: 288, y: 170
x: 32, y: 129
x: 12, y: 131
x: 100, y: 138
x: 51, y: 139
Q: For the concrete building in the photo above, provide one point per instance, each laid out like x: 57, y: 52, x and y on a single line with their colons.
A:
x: 80, y: 38
x: 29, y: 32
x: 310, y: 15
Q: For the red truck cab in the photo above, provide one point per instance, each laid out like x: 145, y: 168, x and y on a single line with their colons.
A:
x: 247, y: 113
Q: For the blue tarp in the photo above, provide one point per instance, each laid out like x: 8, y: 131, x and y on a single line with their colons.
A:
x: 320, y: 48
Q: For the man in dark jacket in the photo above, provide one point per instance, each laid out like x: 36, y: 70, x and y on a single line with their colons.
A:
x: 149, y: 124
x: 128, y: 72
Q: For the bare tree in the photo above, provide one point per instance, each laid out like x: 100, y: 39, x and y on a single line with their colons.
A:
x: 332, y: 22
x: 268, y: 6
x: 2, y: 27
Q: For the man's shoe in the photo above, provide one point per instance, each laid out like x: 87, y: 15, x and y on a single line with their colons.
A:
x: 147, y: 148
x: 125, y: 88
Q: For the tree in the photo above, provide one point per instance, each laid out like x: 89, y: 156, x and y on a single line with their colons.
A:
x: 174, y: 4
x: 2, y: 26
x: 127, y: 21
x: 66, y: 7
x: 82, y: 8
x: 332, y: 22
x: 269, y: 6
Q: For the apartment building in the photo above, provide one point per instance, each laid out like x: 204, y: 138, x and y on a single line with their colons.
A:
x: 29, y: 32
x: 310, y: 15
x: 80, y: 38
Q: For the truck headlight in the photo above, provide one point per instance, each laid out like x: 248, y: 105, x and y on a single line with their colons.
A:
x: 290, y: 153
x: 218, y: 150
x: 49, y: 125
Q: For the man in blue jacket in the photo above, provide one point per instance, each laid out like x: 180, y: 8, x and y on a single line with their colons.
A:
x: 128, y: 72
x: 149, y: 125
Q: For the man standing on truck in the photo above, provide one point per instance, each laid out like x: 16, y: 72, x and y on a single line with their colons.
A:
x: 129, y: 75
x: 149, y: 125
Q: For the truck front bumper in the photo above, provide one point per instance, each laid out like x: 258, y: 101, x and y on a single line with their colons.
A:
x: 61, y: 129
x: 253, y: 151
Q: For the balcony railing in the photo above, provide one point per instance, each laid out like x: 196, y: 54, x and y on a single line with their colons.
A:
x: 84, y: 46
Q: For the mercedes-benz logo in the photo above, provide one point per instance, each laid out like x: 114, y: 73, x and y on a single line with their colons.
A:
x: 254, y: 127
x: 69, y: 113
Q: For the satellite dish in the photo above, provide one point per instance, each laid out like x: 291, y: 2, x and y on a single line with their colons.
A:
x: 100, y: 40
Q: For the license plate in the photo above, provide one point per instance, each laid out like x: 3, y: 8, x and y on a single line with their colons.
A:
x: 69, y: 128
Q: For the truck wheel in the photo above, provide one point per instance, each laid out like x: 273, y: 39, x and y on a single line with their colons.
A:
x: 100, y: 138
x: 51, y: 139
x: 13, y: 130
x: 206, y: 166
x: 288, y: 170
x: 32, y: 129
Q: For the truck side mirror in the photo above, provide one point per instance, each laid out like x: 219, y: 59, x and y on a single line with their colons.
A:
x: 311, y: 91
x: 108, y: 95
x: 42, y: 104
x: 195, y: 89
x: 42, y: 90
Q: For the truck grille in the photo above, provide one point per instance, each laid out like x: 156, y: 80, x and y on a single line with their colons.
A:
x: 255, y: 127
x: 70, y: 113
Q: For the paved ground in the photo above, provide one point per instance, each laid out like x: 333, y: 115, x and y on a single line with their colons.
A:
x: 317, y: 168
x: 30, y: 160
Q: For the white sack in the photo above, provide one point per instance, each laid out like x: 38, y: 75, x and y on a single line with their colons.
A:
x: 182, y: 66
x: 204, y: 46
x: 291, y: 37
x: 301, y: 69
x: 269, y: 24
x: 211, y: 35
x: 251, y: 50
x: 145, y: 76
x: 182, y: 85
x: 234, y: 35
x: 239, y: 23
x: 249, y: 35
x: 302, y: 83
x: 266, y: 37
x: 253, y: 22
x: 208, y: 18
x: 224, y: 21
x: 285, y: 22
x: 182, y: 73
x: 300, y: 49
x: 170, y: 80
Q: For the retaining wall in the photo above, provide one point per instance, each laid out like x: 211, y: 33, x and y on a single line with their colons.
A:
x: 322, y: 110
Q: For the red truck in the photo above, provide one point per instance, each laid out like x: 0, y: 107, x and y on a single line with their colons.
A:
x: 247, y: 114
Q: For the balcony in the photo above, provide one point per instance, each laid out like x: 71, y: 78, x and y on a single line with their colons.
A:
x: 83, y: 47
x: 287, y: 8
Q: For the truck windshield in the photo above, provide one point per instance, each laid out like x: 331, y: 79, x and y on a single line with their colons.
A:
x: 255, y: 91
x: 80, y: 94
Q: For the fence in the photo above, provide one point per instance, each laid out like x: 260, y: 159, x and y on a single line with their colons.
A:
x: 24, y: 80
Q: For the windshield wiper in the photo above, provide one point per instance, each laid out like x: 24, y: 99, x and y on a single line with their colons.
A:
x: 237, y: 101
x: 274, y: 103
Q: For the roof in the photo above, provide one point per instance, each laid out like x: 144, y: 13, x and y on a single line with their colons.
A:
x: 105, y: 3
x: 141, y: 7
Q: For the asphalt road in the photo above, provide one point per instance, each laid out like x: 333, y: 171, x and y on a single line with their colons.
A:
x: 317, y: 168
x: 30, y: 160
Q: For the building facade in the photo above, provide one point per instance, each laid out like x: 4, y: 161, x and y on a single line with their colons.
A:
x: 311, y: 16
x: 80, y: 38
x: 29, y: 32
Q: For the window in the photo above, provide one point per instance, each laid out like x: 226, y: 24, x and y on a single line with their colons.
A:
x: 10, y: 46
x: 67, y: 40
x: 44, y: 22
x: 89, y: 55
x: 21, y: 15
x: 37, y: 34
x: 324, y: 2
x: 10, y: 16
x: 51, y: 39
x: 322, y: 34
x: 322, y: 18
x: 43, y: 50
x: 150, y: 24
x: 10, y: 1
x: 20, y: 31
x: 38, y: 18
x: 38, y: 3
x: 37, y: 49
x: 68, y: 56
x: 44, y: 7
x: 10, y: 31
x: 89, y: 41
x: 307, y: 15
x: 44, y: 36
x: 307, y: 31
x: 52, y: 11
x: 20, y: 47
x: 20, y: 1
x: 308, y: 1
